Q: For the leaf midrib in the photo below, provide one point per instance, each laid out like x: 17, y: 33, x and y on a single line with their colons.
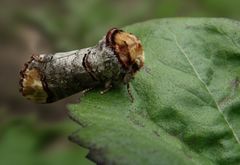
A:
x: 205, y: 85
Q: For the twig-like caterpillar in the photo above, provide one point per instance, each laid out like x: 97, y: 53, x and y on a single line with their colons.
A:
x: 115, y: 59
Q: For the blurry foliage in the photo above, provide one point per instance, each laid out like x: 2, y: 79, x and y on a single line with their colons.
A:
x: 78, y: 23
x: 26, y: 141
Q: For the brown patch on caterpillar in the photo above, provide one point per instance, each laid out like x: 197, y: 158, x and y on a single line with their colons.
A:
x: 127, y: 47
x: 31, y: 85
x: 110, y: 40
x: 22, y: 73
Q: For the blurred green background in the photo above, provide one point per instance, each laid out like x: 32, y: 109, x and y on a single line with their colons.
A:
x: 37, y: 134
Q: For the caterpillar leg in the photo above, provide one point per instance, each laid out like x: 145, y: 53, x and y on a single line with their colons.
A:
x: 107, y: 87
x: 129, y: 93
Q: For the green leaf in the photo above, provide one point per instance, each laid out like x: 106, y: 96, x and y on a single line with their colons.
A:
x: 186, y: 106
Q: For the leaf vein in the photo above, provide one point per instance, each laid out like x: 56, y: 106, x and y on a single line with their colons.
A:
x: 210, y: 93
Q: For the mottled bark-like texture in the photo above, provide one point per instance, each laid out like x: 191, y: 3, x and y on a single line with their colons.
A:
x: 50, y: 77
